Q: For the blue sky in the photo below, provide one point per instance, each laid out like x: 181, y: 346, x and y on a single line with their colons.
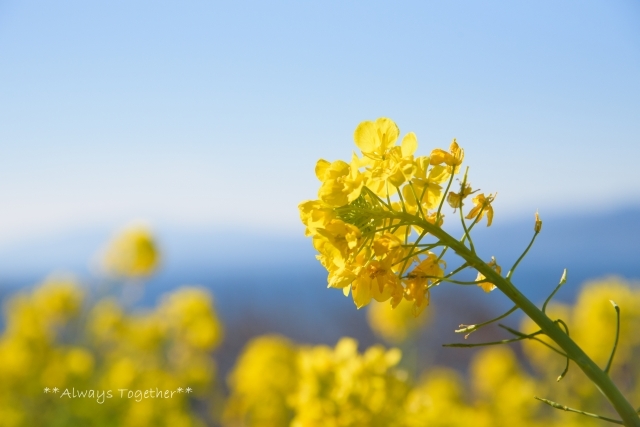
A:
x: 213, y: 114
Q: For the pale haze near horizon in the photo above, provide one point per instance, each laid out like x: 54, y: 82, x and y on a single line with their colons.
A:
x: 206, y: 114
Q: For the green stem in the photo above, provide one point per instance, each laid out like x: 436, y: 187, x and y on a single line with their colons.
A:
x: 566, y: 366
x: 444, y: 196
x: 513, y: 269
x: 563, y: 280
x: 418, y: 201
x: 615, y: 343
x: 404, y: 208
x: 411, y: 254
x: 466, y: 232
x: 482, y: 344
x: 549, y: 327
x: 436, y: 283
x: 464, y: 224
x: 520, y: 334
x: 444, y: 279
x: 422, y: 245
x: 577, y: 411
x: 472, y: 328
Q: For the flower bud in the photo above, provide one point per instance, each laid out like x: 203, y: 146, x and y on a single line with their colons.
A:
x: 538, y: 225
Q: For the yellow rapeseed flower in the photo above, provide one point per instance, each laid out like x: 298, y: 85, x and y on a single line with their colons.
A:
x: 132, y: 253
x: 374, y: 139
x: 453, y: 158
x: 482, y: 206
x: 378, y: 281
x: 337, y: 243
x: 426, y: 185
x: 315, y: 214
x: 388, y: 165
x: 341, y: 182
x: 455, y: 200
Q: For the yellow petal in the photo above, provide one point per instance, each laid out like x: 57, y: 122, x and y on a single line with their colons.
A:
x: 438, y: 174
x: 420, y: 304
x: 337, y: 168
x: 422, y: 163
x: 486, y: 286
x: 388, y: 132
x: 474, y: 212
x: 454, y: 147
x: 358, y: 162
x: 340, y: 278
x: 366, y: 137
x: 409, y: 144
x: 361, y: 292
x: 321, y: 169
x: 438, y: 156
x: 432, y: 196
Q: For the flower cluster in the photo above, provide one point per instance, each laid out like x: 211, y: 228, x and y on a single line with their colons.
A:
x: 57, y: 336
x: 369, y: 208
x: 278, y: 383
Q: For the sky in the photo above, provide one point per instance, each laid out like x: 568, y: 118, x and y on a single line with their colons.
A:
x: 213, y: 114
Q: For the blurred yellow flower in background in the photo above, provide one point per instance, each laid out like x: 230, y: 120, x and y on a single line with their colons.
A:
x: 264, y: 376
x: 341, y: 387
x: 132, y: 253
x: 56, y: 337
x: 394, y: 324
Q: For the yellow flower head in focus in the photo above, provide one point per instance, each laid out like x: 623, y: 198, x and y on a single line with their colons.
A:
x: 344, y: 275
x: 425, y: 185
x: 378, y: 281
x: 315, y: 214
x: 389, y: 246
x: 132, y: 253
x: 337, y: 243
x: 387, y: 163
x: 341, y: 182
x: 375, y: 139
